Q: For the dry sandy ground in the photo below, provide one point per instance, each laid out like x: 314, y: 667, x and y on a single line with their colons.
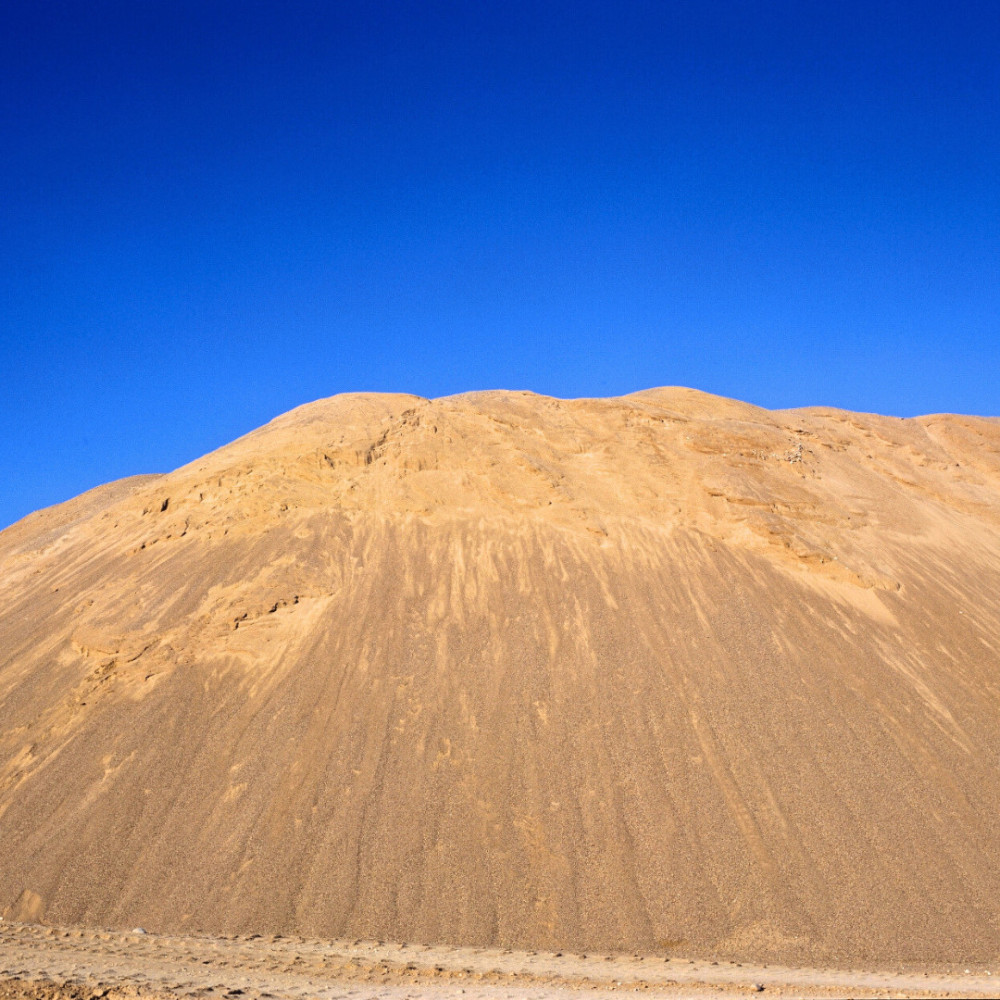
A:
x: 667, y: 673
x: 75, y: 964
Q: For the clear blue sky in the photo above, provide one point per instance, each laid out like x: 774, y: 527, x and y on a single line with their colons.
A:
x: 212, y: 212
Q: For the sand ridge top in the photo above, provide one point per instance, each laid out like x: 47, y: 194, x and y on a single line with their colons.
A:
x: 660, y: 671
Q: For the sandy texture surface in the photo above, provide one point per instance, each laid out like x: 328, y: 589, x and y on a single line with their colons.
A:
x: 83, y: 963
x: 666, y: 673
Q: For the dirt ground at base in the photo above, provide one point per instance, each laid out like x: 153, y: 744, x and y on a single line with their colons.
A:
x: 47, y: 963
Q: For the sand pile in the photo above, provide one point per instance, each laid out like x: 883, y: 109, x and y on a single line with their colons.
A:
x: 666, y: 673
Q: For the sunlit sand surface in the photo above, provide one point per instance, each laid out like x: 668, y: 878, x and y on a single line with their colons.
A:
x: 667, y: 675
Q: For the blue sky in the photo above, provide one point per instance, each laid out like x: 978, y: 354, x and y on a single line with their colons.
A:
x: 213, y: 212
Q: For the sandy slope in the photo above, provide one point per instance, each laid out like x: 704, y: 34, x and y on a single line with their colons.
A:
x: 668, y: 673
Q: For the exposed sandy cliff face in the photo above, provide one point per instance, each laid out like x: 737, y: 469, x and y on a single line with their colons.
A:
x: 665, y: 672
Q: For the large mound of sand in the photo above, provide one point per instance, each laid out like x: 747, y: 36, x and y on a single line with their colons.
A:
x: 665, y: 672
